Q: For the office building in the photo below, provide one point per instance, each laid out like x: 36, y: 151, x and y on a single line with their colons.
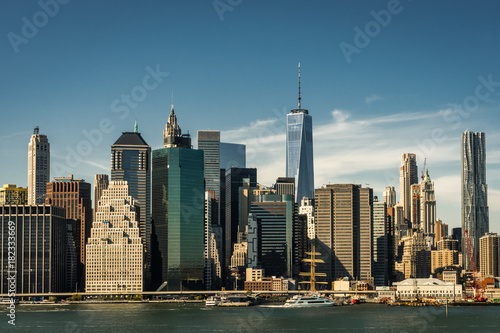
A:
x: 232, y: 155
x: 299, y: 151
x: 448, y: 243
x: 209, y: 143
x: 38, y: 167
x: 115, y: 250
x: 178, y: 211
x: 101, y: 183
x: 74, y: 196
x: 343, y: 224
x: 380, y: 241
x: 12, y: 195
x: 285, y: 185
x: 441, y: 230
x: 408, y: 175
x: 234, y: 180
x: 415, y: 207
x: 274, y: 226
x: 441, y: 259
x: 475, y: 218
x: 131, y: 162
x: 427, y: 205
x: 307, y: 208
x: 390, y: 196
x: 489, y: 254
x: 40, y: 265
x: 416, y: 256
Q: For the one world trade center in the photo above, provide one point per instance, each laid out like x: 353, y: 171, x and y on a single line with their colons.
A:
x: 299, y: 151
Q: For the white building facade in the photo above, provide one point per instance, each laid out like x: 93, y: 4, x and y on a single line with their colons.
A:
x: 114, y: 260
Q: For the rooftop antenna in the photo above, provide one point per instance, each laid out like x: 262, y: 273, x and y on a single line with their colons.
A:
x: 299, y: 86
x: 172, y: 98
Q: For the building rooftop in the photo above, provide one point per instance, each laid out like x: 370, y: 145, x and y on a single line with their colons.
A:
x: 131, y: 139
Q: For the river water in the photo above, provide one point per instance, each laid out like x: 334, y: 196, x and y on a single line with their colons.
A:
x: 195, y: 317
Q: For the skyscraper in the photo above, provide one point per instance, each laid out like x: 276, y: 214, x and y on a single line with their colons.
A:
x: 74, y: 196
x: 38, y: 167
x: 130, y: 162
x: 490, y: 255
x: 178, y: 211
x: 427, y: 206
x: 475, y: 219
x: 40, y: 265
x: 381, y: 240
x: 232, y: 155
x: 273, y: 219
x: 114, y: 262
x: 390, y: 196
x: 299, y: 151
x: 209, y: 143
x: 234, y: 180
x: 343, y: 223
x: 101, y: 183
x: 408, y: 176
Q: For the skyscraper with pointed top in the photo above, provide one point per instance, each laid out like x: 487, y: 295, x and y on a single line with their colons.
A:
x: 38, y: 167
x: 299, y: 150
x: 130, y: 161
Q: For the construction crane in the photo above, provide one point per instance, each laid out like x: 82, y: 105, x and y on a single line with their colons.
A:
x: 477, y: 295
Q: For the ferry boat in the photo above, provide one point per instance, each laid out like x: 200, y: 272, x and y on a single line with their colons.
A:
x: 308, y: 301
x: 213, y: 301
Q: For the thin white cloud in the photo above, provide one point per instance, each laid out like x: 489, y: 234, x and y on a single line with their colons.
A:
x: 372, y: 98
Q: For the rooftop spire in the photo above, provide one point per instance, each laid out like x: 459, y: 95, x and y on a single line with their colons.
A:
x: 172, y: 109
x: 136, y: 128
x: 299, y: 86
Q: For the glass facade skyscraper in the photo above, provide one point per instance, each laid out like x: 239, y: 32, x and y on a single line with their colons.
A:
x: 178, y: 211
x: 232, y: 155
x: 130, y: 161
x: 299, y: 151
x: 475, y: 218
x: 209, y: 143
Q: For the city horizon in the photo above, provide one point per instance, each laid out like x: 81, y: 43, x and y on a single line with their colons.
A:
x: 363, y: 104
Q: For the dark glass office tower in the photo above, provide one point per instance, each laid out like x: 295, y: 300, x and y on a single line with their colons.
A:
x: 178, y: 211
x: 299, y: 151
x: 234, y: 180
x: 475, y: 218
x: 272, y: 234
x: 130, y: 161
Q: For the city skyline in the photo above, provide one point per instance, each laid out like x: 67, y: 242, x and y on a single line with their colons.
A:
x: 363, y: 109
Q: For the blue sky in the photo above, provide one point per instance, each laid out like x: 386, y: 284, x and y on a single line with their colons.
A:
x: 411, y: 86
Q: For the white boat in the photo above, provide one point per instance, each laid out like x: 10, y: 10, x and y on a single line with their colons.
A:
x: 308, y: 301
x: 213, y: 301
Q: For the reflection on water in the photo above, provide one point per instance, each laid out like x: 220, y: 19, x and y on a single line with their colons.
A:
x: 163, y: 317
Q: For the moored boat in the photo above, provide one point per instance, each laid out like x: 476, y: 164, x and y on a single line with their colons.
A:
x: 308, y: 301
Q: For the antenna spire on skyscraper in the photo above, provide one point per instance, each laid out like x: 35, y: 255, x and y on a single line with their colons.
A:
x: 299, y: 86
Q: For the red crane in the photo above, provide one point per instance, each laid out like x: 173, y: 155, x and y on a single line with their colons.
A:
x: 478, y: 295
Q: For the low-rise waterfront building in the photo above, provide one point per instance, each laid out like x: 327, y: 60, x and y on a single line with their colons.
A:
x: 411, y: 289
